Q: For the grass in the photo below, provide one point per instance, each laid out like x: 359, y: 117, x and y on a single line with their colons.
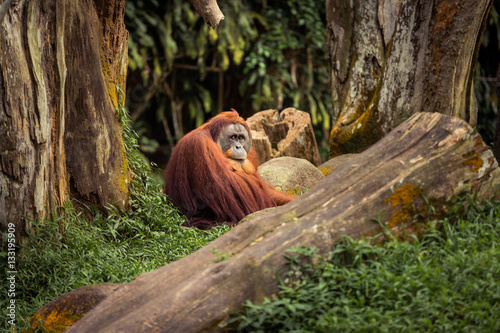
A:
x: 447, y: 281
x: 107, y: 247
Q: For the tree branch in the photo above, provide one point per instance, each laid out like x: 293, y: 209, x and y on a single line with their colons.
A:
x: 209, y: 10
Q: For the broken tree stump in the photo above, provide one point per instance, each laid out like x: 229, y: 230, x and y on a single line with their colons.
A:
x: 289, y: 133
x: 429, y: 160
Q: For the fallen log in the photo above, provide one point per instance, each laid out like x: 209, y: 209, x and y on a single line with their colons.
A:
x: 411, y: 176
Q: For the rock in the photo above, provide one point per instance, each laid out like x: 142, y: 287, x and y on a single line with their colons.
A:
x: 65, y: 310
x: 289, y: 133
x: 288, y: 174
x: 333, y: 163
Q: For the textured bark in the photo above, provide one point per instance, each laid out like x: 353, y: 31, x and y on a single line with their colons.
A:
x: 4, y: 8
x: 209, y: 10
x: 289, y: 133
x: 392, y: 58
x: 60, y: 137
x: 496, y: 138
x: 409, y: 177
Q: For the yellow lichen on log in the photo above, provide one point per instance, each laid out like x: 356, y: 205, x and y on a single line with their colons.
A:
x: 60, y: 314
x: 474, y: 161
x: 325, y: 171
x: 58, y: 319
x: 402, y: 201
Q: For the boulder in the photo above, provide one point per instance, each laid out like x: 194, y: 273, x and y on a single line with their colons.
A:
x: 288, y: 174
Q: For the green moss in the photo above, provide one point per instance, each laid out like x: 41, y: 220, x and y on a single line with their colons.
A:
x: 363, y: 129
x: 123, y: 179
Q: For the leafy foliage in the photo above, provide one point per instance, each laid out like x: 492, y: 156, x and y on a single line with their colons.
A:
x: 263, y: 56
x: 446, y: 281
x: 101, y: 248
x: 170, y: 36
x: 287, y: 64
x: 485, y: 72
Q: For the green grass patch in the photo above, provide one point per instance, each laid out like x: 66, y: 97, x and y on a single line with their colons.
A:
x: 446, y: 281
x: 108, y: 247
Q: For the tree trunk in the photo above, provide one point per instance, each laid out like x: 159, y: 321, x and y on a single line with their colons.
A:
x: 410, y: 177
x: 60, y: 62
x: 392, y: 58
x: 496, y: 137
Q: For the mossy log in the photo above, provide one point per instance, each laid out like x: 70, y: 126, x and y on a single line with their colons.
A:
x: 413, y: 175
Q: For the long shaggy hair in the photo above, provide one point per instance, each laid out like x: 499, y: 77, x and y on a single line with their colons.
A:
x: 202, y: 183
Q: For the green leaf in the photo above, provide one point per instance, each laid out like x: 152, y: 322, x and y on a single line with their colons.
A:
x: 313, y: 109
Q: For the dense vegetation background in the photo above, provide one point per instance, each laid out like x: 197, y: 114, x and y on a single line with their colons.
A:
x: 486, y: 67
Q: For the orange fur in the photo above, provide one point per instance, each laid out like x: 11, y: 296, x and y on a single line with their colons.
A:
x: 240, y: 165
x: 210, y: 188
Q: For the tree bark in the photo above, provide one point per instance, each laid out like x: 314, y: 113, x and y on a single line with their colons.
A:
x: 410, y: 177
x: 496, y: 137
x: 392, y: 58
x: 4, y: 8
x: 60, y: 62
x: 209, y: 10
